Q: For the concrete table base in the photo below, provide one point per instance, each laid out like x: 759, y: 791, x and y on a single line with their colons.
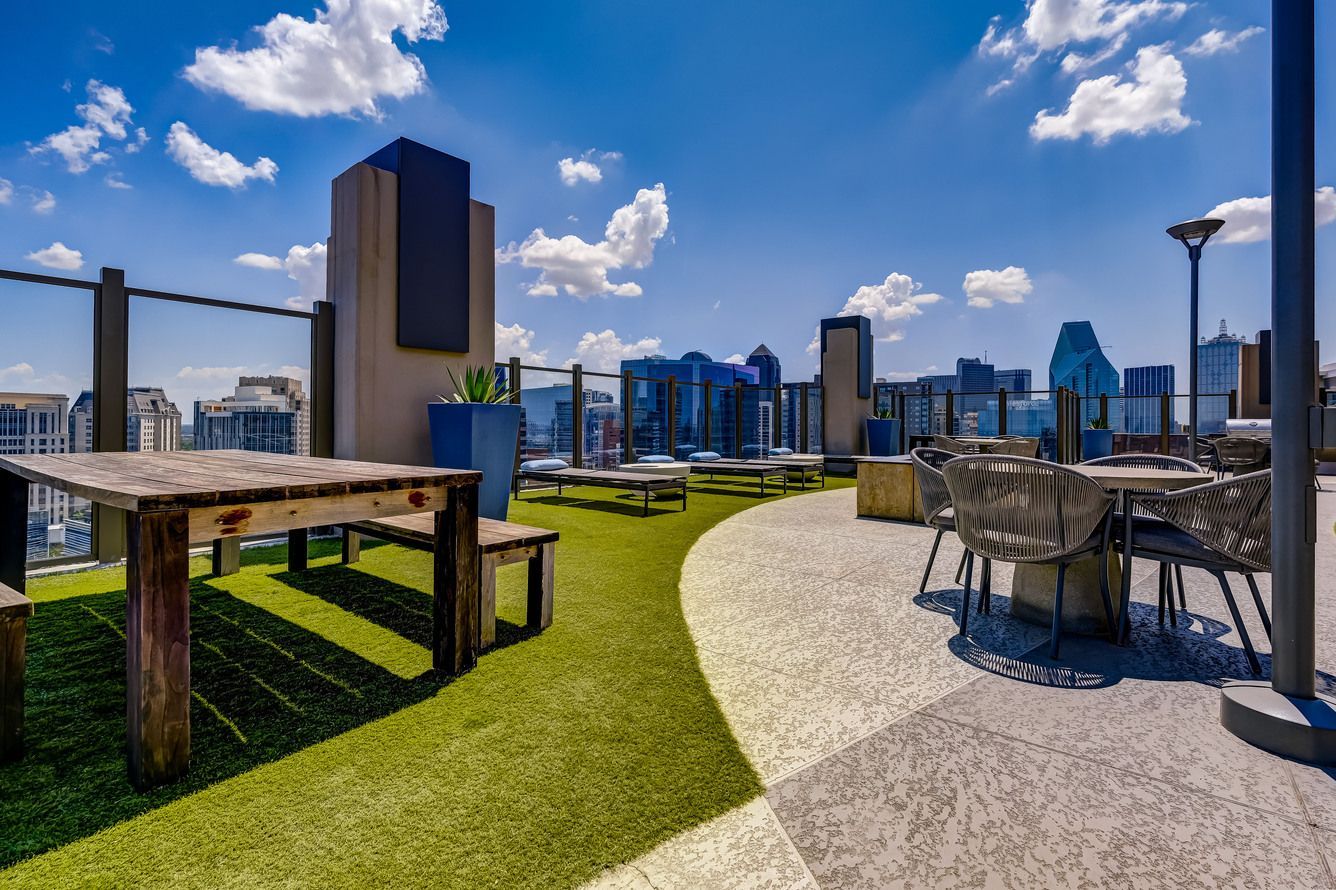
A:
x: 1032, y: 588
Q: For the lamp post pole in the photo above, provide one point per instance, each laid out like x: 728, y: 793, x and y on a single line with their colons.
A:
x: 1194, y: 257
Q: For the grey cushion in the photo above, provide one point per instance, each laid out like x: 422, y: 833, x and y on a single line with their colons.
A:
x: 549, y: 463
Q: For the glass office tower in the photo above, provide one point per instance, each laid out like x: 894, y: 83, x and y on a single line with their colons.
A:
x: 1142, y: 386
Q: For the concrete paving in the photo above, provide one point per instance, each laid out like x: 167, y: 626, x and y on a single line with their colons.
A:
x: 898, y: 754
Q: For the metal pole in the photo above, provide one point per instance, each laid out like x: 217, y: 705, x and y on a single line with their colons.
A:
x: 708, y: 443
x: 737, y: 418
x: 577, y: 415
x: 1288, y: 717
x: 672, y: 414
x: 1001, y: 410
x: 1194, y: 256
x: 1164, y: 423
x: 322, y: 380
x: 628, y: 420
x: 111, y: 339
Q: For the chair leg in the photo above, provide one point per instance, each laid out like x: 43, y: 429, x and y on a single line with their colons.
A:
x: 1105, y: 594
x: 960, y: 569
x: 987, y: 590
x: 983, y: 586
x: 923, y: 585
x: 1182, y: 599
x: 1261, y: 606
x: 1169, y: 596
x: 1124, y: 598
x: 1057, y: 612
x: 1160, y: 576
x: 1238, y: 622
x: 965, y: 603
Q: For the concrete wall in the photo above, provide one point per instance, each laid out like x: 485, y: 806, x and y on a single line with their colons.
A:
x: 845, y: 412
x: 380, y: 388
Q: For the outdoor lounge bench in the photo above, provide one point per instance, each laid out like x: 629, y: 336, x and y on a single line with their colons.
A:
x: 14, y: 611
x: 762, y: 470
x: 499, y: 544
x: 607, y: 479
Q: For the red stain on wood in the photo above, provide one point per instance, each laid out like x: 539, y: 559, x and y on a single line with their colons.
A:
x: 417, y: 499
x: 235, y: 516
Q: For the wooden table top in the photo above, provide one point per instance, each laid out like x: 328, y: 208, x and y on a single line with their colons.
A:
x: 174, y: 480
x: 1137, y: 478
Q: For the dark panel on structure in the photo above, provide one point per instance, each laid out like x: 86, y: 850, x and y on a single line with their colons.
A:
x: 433, y: 244
x: 863, y: 326
x: 1264, y: 368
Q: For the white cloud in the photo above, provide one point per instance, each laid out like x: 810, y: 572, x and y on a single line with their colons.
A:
x: 736, y: 358
x: 1107, y: 106
x: 896, y: 299
x: 604, y: 351
x: 341, y: 62
x: 1249, y: 219
x: 304, y: 265
x: 1217, y: 41
x: 259, y: 261
x: 43, y: 202
x: 141, y: 138
x: 106, y: 113
x: 211, y: 373
x: 984, y: 287
x: 1054, y: 23
x: 910, y: 375
x: 211, y: 166
x: 20, y: 371
x: 580, y: 268
x: 517, y: 341
x: 114, y: 181
x: 573, y: 171
x: 6, y: 191
x: 57, y: 256
x: 1074, y: 63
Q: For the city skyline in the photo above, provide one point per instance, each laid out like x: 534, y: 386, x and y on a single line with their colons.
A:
x: 1065, y: 221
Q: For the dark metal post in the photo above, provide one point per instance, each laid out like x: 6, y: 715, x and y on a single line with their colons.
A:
x: 1060, y: 415
x: 577, y: 415
x: 628, y: 420
x: 1164, y: 422
x: 1194, y: 256
x: 803, y: 436
x: 1001, y: 410
x: 111, y: 338
x: 708, y: 412
x: 672, y: 415
x: 777, y: 418
x: 737, y: 421
x: 322, y: 379
x: 949, y: 427
x: 1288, y: 717
x: 900, y: 413
x: 1233, y: 409
x: 514, y: 382
x: 1104, y: 408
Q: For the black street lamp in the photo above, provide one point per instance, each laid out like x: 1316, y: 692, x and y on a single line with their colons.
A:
x: 1194, y: 233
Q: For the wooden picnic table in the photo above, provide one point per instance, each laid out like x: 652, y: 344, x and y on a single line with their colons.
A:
x: 176, y: 499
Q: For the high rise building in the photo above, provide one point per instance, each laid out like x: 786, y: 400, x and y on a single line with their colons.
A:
x: 38, y: 423
x: 768, y: 377
x: 265, y: 414
x: 1079, y: 364
x: 974, y: 380
x: 767, y: 366
x: 1217, y: 373
x: 1014, y: 380
x: 152, y: 421
x: 1142, y: 387
x: 649, y: 403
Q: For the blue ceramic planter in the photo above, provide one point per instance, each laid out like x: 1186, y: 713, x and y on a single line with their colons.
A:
x: 1096, y: 443
x: 883, y: 437
x: 474, y: 436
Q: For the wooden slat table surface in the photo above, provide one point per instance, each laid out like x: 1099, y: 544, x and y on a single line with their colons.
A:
x: 174, y: 499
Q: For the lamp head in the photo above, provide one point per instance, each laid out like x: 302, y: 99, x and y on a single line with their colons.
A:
x: 1194, y: 232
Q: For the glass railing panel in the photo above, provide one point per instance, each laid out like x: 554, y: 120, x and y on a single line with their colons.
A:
x: 649, y: 417
x: 756, y: 421
x: 815, y: 433
x: 689, y: 420
x: 604, y: 445
x: 546, y: 415
x: 46, y: 373
x: 723, y: 420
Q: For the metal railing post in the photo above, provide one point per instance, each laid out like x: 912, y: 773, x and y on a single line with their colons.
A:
x: 803, y: 437
x: 322, y: 379
x: 1233, y: 410
x: 708, y: 444
x: 577, y: 415
x: 949, y: 428
x: 1001, y: 410
x: 111, y: 339
x: 900, y: 413
x: 1104, y: 408
x: 628, y: 421
x: 1060, y: 423
x: 672, y: 415
x: 737, y: 423
x: 514, y: 381
x: 1164, y: 422
x: 777, y: 418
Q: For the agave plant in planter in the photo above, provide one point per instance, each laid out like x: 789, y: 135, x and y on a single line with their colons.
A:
x: 477, y: 428
x: 883, y: 433
x: 1096, y: 439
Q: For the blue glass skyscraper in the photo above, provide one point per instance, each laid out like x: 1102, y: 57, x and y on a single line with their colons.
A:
x: 1141, y: 388
x: 1217, y: 373
x: 1080, y: 365
x: 767, y: 366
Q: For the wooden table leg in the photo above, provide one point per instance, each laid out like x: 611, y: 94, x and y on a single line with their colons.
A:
x: 226, y: 556
x: 539, y: 614
x: 297, y: 550
x: 455, y: 625
x: 13, y: 531
x: 487, y: 600
x: 352, y: 547
x: 157, y: 647
x: 13, y: 646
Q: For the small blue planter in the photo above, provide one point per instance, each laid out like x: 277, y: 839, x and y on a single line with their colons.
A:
x: 883, y: 437
x: 475, y: 436
x: 1096, y: 443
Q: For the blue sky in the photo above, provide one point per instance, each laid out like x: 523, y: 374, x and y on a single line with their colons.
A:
x: 874, y: 157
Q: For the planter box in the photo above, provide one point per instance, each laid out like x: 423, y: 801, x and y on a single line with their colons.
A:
x: 1096, y: 443
x: 474, y: 436
x: 883, y: 437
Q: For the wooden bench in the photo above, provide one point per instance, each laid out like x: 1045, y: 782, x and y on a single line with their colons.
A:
x: 14, y: 611
x: 499, y: 544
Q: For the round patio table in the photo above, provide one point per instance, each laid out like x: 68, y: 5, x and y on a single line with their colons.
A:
x: 1032, y: 585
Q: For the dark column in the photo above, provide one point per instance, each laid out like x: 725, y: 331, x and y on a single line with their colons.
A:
x: 111, y: 336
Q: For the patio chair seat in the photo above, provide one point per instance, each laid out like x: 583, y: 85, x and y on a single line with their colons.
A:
x: 1156, y: 536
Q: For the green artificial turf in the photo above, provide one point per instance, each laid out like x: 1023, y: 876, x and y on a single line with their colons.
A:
x: 324, y: 752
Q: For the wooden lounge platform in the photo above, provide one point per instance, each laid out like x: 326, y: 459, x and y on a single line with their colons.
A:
x: 641, y: 482
x: 499, y: 544
x: 15, y: 608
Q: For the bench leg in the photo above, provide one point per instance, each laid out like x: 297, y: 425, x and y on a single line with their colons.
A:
x: 645, y: 512
x: 297, y: 550
x: 157, y: 647
x: 352, y: 547
x: 13, y: 643
x: 226, y: 556
x: 541, y: 569
x: 487, y: 602
x: 455, y: 583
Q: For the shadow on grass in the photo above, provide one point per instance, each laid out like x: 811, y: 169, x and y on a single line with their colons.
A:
x: 625, y: 505
x: 263, y: 688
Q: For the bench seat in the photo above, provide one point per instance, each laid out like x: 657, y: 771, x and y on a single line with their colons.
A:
x: 15, y: 609
x: 499, y: 543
